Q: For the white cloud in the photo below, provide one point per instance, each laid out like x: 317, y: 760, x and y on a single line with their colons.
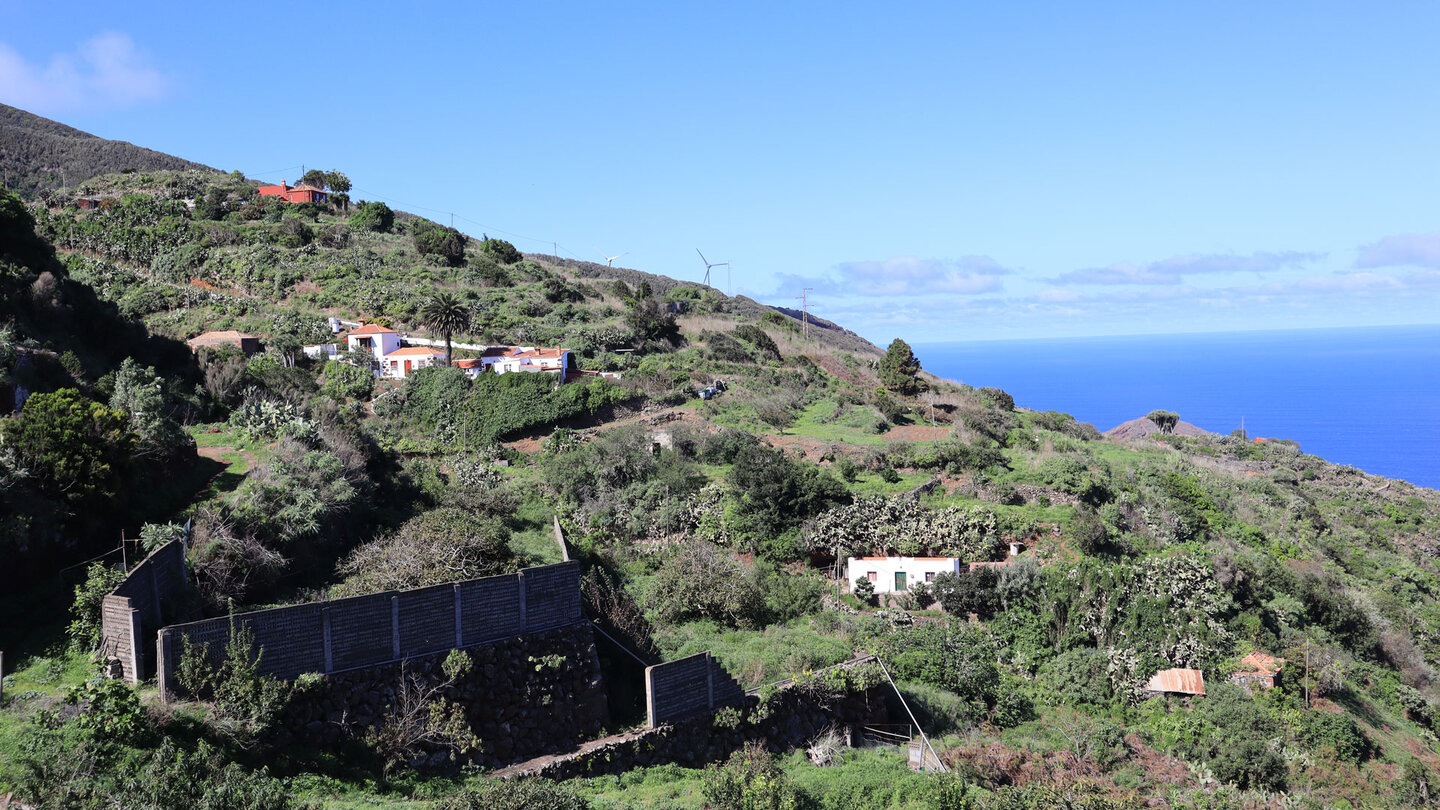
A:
x: 906, y: 276
x: 107, y: 70
x: 1412, y: 250
x: 1175, y: 269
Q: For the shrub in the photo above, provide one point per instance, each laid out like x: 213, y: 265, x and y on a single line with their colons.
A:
x: 373, y: 216
x: 750, y: 780
x: 758, y: 338
x: 968, y: 592
x: 438, y: 546
x: 514, y: 794
x: 501, y: 251
x: 998, y: 397
x: 703, y: 582
x: 864, y: 590
x: 84, y: 630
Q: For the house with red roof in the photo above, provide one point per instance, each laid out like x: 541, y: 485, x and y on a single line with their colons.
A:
x: 1257, y: 670
x: 296, y: 194
x: 392, y: 358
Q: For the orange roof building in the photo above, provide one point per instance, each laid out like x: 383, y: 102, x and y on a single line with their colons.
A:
x: 1257, y: 670
x: 1177, y: 681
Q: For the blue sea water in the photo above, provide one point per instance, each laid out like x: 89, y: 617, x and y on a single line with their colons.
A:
x: 1367, y: 397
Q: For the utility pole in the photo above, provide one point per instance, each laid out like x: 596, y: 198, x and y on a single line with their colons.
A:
x: 805, y: 312
x: 1307, y: 672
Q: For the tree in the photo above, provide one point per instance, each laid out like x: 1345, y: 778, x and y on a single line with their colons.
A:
x: 373, y: 216
x: 970, y: 592
x: 438, y: 240
x: 703, y: 582
x: 336, y: 181
x: 864, y: 589
x: 1165, y: 420
x: 900, y: 369
x: 501, y: 251
x: 445, y: 313
x: 75, y: 448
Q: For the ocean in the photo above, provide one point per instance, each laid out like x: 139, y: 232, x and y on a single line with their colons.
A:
x: 1367, y: 397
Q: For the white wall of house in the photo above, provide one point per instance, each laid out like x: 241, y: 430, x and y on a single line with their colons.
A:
x: 401, y: 366
x: 377, y: 345
x: 884, y: 571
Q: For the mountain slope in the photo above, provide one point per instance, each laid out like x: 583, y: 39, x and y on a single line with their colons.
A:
x: 38, y: 155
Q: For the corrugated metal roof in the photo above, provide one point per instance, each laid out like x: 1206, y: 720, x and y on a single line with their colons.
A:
x: 1183, y: 681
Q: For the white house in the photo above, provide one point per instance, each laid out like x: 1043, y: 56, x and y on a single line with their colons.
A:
x: 376, y: 341
x: 322, y: 351
x: 898, y: 574
x: 392, y: 359
x: 401, y: 362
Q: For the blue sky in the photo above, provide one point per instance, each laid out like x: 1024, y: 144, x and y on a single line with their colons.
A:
x: 946, y: 171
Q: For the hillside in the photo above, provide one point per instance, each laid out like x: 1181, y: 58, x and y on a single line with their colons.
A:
x: 38, y: 155
x: 704, y: 523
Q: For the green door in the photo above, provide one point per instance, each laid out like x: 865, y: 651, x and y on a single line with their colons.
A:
x: 900, y: 584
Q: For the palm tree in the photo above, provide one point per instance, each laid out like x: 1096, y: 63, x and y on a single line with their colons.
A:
x: 443, y: 312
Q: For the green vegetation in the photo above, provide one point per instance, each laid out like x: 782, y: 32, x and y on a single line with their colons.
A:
x: 702, y: 525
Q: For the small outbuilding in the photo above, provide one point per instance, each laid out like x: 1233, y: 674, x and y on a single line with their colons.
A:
x: 1177, y: 681
x: 1257, y: 670
x: 249, y: 344
x: 899, y: 574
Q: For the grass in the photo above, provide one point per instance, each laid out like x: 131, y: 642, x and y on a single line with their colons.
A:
x: 534, y: 539
x: 869, y: 484
x: 828, y: 420
x: 39, y: 682
x: 757, y: 657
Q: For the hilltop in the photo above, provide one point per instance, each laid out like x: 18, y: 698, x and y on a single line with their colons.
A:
x: 38, y: 155
x: 704, y: 521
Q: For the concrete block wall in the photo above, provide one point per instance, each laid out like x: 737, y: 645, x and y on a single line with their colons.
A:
x: 687, y: 686
x: 136, y: 609
x: 380, y: 628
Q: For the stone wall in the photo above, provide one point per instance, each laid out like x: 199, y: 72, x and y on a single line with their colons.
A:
x: 387, y: 627
x: 686, y: 686
x: 524, y: 697
x: 136, y: 608
x: 782, y: 718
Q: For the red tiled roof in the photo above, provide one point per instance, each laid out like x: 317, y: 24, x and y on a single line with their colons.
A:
x: 1263, y: 664
x: 307, y: 187
x: 372, y: 329
x: 541, y: 353
x: 1182, y: 681
x: 468, y: 362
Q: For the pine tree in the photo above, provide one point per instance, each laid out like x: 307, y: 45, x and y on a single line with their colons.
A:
x: 900, y: 368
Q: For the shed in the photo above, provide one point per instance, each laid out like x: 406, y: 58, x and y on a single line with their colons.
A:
x: 1177, y: 681
x: 1257, y: 670
x: 249, y: 344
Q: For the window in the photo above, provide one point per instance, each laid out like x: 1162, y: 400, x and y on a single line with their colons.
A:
x: 900, y: 581
x: 872, y: 576
x: 929, y: 576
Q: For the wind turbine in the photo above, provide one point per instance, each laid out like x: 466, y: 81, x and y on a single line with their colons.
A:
x: 610, y: 260
x: 708, y: 265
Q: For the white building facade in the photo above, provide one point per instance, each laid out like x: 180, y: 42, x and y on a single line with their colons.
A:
x: 898, y: 574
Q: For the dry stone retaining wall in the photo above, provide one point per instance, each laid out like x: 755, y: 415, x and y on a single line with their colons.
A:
x: 782, y: 718
x: 524, y: 696
x: 387, y: 627
x: 136, y: 608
